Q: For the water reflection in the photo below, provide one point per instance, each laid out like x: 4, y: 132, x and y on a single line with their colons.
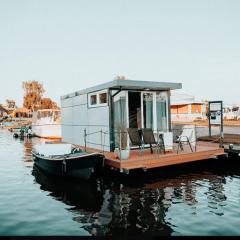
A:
x: 140, y: 203
x: 107, y: 206
x: 185, y: 200
x: 216, y: 196
x: 27, y: 155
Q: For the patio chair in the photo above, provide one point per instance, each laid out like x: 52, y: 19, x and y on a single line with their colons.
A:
x: 161, y: 143
x: 136, y: 138
x: 148, y: 138
x: 188, y: 136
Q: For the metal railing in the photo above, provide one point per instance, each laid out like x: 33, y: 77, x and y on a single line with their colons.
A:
x: 102, y: 139
x: 200, y: 134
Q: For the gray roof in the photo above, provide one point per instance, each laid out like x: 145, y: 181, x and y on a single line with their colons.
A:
x: 128, y: 84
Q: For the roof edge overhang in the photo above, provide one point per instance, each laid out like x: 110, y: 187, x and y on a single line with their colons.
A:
x: 128, y: 85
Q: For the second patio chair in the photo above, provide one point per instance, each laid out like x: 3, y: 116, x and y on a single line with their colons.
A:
x: 148, y: 138
x: 188, y: 136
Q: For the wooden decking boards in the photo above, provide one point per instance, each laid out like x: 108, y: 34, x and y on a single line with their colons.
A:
x: 148, y: 160
x: 204, y: 150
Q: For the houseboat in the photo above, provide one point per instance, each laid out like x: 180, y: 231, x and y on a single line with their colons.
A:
x: 46, y: 123
x: 97, y: 118
x: 134, y: 104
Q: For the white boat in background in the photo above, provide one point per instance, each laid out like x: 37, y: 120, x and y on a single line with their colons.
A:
x: 46, y: 123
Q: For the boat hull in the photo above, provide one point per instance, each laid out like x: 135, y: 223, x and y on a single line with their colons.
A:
x: 83, y: 167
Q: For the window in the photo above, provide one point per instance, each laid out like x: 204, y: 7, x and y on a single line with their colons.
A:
x: 98, y: 99
x: 102, y: 98
x: 93, y: 99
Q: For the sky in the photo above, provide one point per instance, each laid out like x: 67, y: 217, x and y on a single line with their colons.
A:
x: 69, y: 45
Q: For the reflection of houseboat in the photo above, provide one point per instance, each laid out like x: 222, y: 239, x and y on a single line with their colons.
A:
x: 46, y: 123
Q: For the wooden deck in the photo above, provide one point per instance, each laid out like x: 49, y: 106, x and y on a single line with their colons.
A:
x: 155, y: 160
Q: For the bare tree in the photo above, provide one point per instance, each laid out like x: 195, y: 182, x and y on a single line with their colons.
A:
x: 47, y: 103
x: 33, y: 95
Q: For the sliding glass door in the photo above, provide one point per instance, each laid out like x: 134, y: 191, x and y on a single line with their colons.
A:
x: 154, y: 107
x: 135, y: 109
x: 161, y: 111
x: 147, y: 110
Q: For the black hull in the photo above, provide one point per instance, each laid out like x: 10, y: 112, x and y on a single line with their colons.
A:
x: 82, y: 167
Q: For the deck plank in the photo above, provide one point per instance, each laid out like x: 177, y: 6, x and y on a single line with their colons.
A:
x: 148, y: 160
x: 205, y: 150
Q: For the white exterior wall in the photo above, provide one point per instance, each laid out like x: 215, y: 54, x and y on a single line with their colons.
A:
x: 77, y: 116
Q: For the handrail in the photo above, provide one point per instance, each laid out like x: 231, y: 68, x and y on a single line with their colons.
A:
x: 179, y: 128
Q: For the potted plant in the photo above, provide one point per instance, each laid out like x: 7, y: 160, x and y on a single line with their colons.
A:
x: 123, y: 151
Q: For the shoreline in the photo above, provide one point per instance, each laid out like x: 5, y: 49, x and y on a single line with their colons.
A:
x: 228, y: 123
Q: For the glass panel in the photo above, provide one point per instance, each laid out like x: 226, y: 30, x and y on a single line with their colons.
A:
x: 161, y: 105
x: 134, y: 108
x: 102, y: 98
x: 148, y: 110
x: 120, y: 121
x: 93, y: 99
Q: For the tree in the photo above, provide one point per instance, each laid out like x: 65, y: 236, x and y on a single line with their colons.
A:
x: 47, y: 103
x: 33, y: 95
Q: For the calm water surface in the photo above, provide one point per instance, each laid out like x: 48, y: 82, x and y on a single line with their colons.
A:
x: 176, y: 201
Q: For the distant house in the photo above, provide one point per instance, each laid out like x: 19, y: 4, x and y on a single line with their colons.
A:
x: 21, y: 113
x: 187, y: 108
x: 231, y: 112
x: 3, y: 111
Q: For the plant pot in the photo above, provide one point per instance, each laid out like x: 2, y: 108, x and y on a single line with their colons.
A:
x: 116, y: 152
x: 123, y: 154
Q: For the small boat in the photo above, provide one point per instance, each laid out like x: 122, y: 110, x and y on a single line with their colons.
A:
x: 22, y: 132
x: 66, y: 161
x: 46, y: 123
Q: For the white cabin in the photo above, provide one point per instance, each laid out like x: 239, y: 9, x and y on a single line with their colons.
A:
x: 135, y: 104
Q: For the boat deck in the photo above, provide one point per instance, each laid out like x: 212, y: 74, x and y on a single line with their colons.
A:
x: 155, y: 160
x: 148, y: 160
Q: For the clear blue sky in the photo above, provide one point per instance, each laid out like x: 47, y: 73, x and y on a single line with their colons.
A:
x: 70, y: 45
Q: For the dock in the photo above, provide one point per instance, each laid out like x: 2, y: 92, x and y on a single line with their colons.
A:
x: 148, y: 161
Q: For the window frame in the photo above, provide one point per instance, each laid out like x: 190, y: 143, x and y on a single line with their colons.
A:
x: 98, y: 104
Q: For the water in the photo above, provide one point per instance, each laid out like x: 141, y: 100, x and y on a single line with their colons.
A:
x: 199, y: 199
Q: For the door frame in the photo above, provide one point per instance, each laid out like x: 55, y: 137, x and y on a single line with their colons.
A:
x: 154, y: 109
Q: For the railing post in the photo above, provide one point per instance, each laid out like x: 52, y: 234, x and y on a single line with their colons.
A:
x: 195, y: 138
x: 85, y: 139
x: 120, y: 145
x: 101, y: 140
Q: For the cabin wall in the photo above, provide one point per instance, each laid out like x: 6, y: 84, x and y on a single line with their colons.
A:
x: 78, y: 116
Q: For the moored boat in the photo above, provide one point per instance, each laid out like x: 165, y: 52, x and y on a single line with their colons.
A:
x: 66, y: 161
x: 21, y: 132
x: 46, y: 123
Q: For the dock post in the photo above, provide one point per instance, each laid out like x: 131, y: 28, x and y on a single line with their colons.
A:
x: 195, y: 138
